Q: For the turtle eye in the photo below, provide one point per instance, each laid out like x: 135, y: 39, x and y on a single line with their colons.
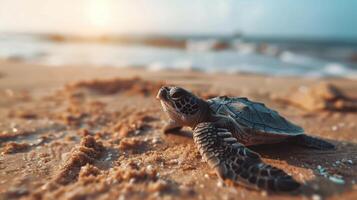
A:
x: 177, y: 94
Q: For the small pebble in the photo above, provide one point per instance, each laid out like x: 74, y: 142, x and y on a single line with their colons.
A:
x: 149, y: 168
x: 316, y: 197
x: 264, y: 193
x: 334, y: 128
x: 109, y: 157
x: 322, y: 171
x: 132, y: 181
x: 156, y: 140
x: 336, y: 180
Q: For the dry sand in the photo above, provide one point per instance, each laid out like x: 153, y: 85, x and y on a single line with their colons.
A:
x: 95, y: 133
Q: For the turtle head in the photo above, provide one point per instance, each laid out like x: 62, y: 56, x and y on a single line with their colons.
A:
x: 182, y: 106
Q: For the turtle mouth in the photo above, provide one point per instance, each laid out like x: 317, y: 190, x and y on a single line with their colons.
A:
x: 163, y: 94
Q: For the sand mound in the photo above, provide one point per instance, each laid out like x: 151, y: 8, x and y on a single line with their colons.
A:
x: 5, y: 135
x: 88, y: 150
x: 322, y: 96
x: 13, y: 147
x: 115, y: 85
x: 135, y: 123
x: 88, y: 170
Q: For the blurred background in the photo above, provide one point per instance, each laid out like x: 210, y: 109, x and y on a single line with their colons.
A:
x: 274, y: 37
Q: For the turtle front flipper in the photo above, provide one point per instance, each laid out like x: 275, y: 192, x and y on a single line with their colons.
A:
x: 233, y: 161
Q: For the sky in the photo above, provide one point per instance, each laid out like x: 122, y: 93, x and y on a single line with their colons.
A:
x: 322, y: 19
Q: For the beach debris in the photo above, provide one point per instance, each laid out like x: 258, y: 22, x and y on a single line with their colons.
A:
x: 338, y: 179
x: 322, y: 171
x: 343, y: 161
x: 318, y: 97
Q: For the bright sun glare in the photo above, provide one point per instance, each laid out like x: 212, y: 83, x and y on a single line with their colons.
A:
x: 100, y: 14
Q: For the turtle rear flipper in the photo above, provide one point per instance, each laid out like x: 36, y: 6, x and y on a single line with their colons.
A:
x: 233, y: 161
x: 312, y: 142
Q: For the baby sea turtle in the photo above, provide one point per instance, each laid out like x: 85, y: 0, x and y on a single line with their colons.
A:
x: 224, y: 126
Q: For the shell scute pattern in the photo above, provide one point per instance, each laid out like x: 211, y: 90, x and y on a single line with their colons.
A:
x: 254, y: 115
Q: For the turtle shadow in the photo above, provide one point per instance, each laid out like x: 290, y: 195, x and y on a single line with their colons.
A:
x: 179, y: 137
x: 324, y: 164
x: 181, y: 133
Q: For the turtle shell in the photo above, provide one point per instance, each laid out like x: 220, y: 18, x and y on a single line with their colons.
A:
x: 254, y: 115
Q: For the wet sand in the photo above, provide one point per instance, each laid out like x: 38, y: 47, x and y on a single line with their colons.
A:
x: 95, y: 133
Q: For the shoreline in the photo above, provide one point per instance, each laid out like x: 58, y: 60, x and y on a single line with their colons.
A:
x: 291, y: 59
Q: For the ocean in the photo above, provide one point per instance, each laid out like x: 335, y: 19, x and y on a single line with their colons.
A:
x: 208, y: 54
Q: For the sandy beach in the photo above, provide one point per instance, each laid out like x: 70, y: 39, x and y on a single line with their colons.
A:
x: 77, y: 132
